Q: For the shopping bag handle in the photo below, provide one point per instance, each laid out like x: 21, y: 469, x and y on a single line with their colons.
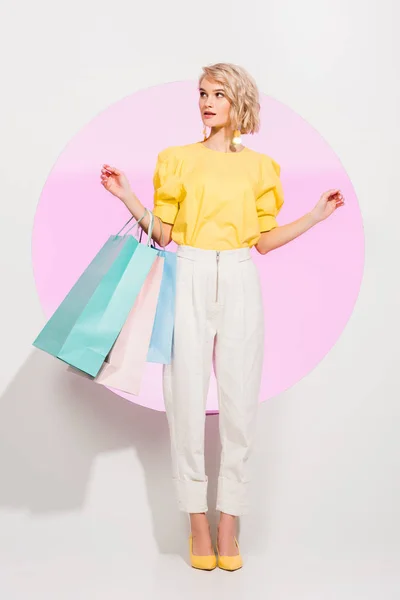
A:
x: 162, y: 233
x: 150, y: 229
x: 150, y: 241
x: 162, y: 244
x: 121, y: 230
x: 132, y: 226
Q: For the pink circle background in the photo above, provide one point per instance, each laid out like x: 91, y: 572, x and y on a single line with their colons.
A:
x: 310, y: 285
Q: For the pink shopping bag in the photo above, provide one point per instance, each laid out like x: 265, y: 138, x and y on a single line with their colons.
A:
x: 124, y: 366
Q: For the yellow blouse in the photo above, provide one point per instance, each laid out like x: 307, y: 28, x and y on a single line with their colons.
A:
x: 216, y: 200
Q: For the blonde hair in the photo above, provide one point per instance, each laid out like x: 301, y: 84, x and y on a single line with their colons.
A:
x: 241, y: 91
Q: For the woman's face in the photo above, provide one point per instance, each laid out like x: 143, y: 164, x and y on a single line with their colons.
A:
x: 213, y: 103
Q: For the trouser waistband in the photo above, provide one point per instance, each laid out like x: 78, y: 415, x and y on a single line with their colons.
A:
x: 199, y: 254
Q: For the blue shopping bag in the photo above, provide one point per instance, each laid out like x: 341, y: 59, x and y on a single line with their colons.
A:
x: 55, y: 332
x: 160, y: 348
x: 103, y: 317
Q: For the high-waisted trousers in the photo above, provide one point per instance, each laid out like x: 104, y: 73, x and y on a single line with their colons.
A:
x: 218, y: 322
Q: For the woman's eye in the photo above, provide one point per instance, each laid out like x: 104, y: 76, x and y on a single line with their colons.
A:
x: 220, y: 94
x: 202, y: 94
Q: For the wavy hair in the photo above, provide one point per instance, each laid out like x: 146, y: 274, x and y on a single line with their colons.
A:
x: 241, y: 91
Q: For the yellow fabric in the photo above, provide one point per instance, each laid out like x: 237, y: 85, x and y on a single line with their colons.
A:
x: 216, y: 200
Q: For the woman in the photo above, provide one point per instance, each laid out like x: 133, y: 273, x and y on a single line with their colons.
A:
x: 216, y: 199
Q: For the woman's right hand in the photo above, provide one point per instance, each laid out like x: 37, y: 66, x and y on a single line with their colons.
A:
x: 116, y: 182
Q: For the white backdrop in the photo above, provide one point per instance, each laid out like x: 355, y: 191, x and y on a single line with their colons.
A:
x: 86, y: 503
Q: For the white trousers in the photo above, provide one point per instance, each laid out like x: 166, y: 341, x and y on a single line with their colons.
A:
x: 218, y: 320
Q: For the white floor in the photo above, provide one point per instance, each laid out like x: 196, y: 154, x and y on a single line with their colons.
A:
x: 109, y: 561
x: 87, y: 510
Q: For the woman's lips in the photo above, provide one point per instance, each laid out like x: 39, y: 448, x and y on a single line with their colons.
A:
x: 208, y: 115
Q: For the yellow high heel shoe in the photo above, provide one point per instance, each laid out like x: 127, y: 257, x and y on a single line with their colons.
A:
x: 206, y: 563
x: 230, y: 563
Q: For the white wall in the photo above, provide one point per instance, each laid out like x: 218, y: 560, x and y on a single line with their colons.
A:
x: 86, y: 504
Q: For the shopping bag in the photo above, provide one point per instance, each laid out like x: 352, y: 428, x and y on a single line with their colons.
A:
x: 55, y: 332
x: 103, y: 317
x: 124, y: 366
x: 160, y: 348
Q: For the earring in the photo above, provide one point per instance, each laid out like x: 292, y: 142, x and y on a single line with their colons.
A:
x: 236, y: 137
x: 204, y: 133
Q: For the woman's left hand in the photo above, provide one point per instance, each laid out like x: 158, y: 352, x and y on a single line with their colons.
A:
x: 327, y: 204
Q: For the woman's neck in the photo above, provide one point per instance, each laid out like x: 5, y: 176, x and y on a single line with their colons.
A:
x: 221, y: 140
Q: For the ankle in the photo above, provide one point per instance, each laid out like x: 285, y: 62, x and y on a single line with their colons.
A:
x: 199, y: 522
x: 227, y: 524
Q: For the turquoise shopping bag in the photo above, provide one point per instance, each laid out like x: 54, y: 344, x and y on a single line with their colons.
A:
x: 103, y: 317
x: 160, y: 348
x: 58, y: 327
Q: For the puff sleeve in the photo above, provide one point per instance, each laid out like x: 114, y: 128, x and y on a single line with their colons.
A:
x: 167, y: 186
x: 271, y: 198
